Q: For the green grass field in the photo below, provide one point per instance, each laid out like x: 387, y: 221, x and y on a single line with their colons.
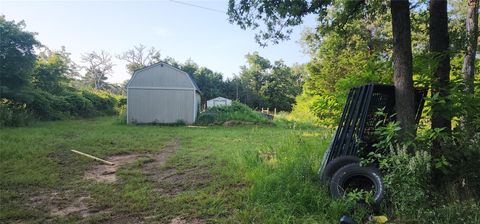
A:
x: 215, y: 174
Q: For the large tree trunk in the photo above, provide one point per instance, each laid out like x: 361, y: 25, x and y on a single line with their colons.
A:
x: 469, y: 60
x: 439, y: 42
x: 402, y: 62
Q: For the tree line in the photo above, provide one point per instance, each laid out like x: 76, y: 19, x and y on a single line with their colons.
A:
x: 260, y: 83
x: 49, y: 85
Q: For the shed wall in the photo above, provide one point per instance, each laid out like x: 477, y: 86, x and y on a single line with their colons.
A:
x: 160, y: 106
x: 218, y: 102
x: 198, y: 101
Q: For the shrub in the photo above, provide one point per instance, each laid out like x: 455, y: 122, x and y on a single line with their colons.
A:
x: 122, y: 101
x: 236, y: 112
x: 14, y: 115
x: 48, y: 107
x: 122, y: 115
x: 410, y: 193
x: 79, y: 105
x: 103, y: 102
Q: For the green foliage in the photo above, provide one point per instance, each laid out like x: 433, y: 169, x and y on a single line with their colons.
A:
x: 260, y: 83
x: 17, y: 57
x: 269, y: 85
x: 406, y: 180
x: 47, y: 106
x: 410, y: 194
x: 14, y: 115
x: 101, y: 101
x: 38, y: 87
x: 236, y: 113
x: 302, y: 109
x: 122, y: 115
x: 43, y: 105
x: 50, y: 72
x: 276, y: 18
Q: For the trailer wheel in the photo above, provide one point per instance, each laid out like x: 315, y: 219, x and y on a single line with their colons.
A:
x: 333, y: 166
x: 354, y: 176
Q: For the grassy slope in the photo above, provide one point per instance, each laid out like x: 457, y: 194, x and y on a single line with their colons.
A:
x: 258, y: 174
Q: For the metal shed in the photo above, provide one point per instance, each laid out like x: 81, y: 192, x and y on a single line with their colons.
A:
x: 163, y: 94
x: 218, y: 101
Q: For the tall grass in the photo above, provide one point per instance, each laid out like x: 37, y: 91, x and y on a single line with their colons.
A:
x: 284, y: 184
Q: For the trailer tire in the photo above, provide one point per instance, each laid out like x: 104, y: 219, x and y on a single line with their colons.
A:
x: 333, y: 166
x: 354, y: 176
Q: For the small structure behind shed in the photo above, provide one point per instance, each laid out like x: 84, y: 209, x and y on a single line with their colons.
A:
x: 219, y: 101
x: 163, y: 94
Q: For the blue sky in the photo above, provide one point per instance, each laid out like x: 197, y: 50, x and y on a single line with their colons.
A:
x: 177, y: 30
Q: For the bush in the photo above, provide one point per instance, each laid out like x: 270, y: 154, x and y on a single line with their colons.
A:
x: 14, y: 115
x: 235, y: 112
x: 122, y: 115
x: 39, y: 104
x: 410, y: 193
x: 79, y: 105
x: 49, y: 107
x: 103, y: 102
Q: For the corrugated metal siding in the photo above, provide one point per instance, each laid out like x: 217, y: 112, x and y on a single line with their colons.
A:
x: 161, y: 76
x: 160, y: 106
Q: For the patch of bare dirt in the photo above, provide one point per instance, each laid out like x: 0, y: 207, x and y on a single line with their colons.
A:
x: 107, y: 173
x: 65, y: 203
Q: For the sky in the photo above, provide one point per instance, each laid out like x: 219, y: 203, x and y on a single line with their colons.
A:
x: 175, y: 27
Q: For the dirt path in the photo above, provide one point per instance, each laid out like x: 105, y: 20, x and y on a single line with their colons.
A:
x: 160, y: 158
x: 166, y: 180
x: 172, y: 181
x: 107, y: 173
x: 65, y: 203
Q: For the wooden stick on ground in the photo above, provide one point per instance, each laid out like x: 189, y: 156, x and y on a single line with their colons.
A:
x: 93, y: 157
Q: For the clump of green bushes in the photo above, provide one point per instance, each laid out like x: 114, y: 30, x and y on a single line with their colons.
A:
x: 236, y: 113
x: 41, y: 105
x: 411, y: 194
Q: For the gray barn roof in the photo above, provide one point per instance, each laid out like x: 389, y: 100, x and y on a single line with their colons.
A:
x: 164, y: 63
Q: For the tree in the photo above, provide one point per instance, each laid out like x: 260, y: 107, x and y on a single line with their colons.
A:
x: 402, y: 62
x: 52, y: 70
x: 279, y: 16
x: 17, y: 57
x: 98, y: 66
x: 471, y: 51
x: 266, y: 84
x: 439, y: 47
x: 281, y: 87
x: 208, y: 81
x: 140, y: 56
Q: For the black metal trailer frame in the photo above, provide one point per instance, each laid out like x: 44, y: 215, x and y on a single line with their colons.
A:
x: 355, y: 132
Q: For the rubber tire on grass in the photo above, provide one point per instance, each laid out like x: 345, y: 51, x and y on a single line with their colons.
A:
x: 346, y: 173
x: 334, y: 165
